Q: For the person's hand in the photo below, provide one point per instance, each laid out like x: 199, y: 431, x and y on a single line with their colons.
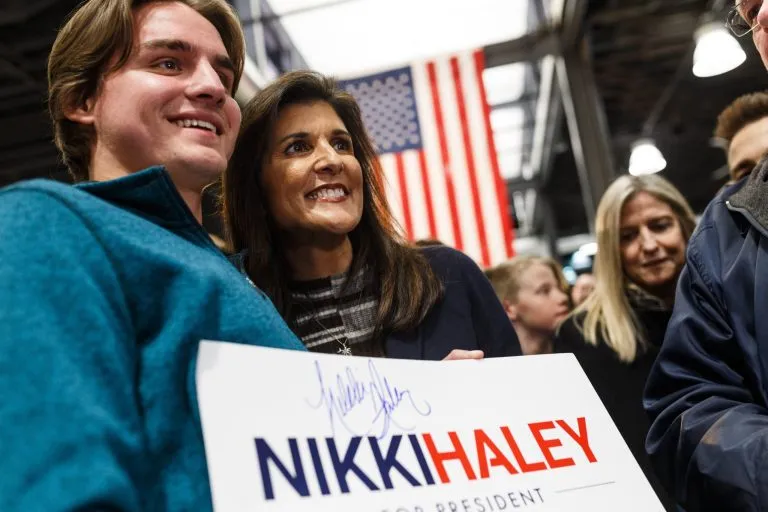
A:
x: 457, y: 355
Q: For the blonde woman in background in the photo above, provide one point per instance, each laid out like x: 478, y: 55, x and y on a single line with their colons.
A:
x: 532, y: 291
x: 643, y: 225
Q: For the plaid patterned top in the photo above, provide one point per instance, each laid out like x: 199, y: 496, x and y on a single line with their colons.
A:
x: 334, y: 320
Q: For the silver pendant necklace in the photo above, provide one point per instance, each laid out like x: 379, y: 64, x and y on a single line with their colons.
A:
x: 344, y: 349
x: 343, y: 345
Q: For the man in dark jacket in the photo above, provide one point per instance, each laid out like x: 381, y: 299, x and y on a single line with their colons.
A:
x: 707, y: 395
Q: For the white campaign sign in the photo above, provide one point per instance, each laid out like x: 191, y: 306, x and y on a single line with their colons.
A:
x: 297, y: 431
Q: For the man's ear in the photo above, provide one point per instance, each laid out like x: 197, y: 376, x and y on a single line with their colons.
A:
x: 83, y: 113
x: 510, y: 309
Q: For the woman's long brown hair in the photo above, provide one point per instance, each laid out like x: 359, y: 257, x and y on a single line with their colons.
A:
x: 405, y: 283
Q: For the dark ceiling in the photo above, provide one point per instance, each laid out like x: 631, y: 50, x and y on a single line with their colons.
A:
x: 642, y: 56
x: 27, y: 31
x: 641, y: 51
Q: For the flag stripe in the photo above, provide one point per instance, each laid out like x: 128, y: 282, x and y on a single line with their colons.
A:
x: 486, y: 190
x: 431, y: 71
x: 501, y: 189
x: 441, y: 215
x: 485, y: 180
x: 407, y: 222
x: 427, y: 194
x: 414, y: 188
x: 470, y: 160
x: 392, y: 187
x: 458, y: 160
x: 484, y: 171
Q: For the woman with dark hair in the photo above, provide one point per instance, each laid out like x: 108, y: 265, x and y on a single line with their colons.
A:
x: 306, y: 213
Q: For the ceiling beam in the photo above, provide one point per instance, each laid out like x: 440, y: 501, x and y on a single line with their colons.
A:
x: 522, y: 185
x: 568, y: 80
x: 547, y: 119
x: 584, y: 112
x: 572, y: 22
x: 587, y: 127
x: 530, y: 47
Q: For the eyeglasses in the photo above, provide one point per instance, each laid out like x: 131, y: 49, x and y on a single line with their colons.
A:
x: 742, y: 19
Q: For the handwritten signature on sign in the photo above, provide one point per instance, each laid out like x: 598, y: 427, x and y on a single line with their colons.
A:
x: 347, y: 395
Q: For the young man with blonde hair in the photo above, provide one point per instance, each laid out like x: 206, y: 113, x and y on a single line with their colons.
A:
x: 113, y: 283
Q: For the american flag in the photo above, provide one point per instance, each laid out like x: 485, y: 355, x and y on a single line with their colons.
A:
x: 430, y: 123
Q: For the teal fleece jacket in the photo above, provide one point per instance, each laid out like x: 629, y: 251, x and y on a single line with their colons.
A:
x: 106, y: 290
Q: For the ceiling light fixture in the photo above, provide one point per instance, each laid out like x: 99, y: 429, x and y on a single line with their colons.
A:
x: 716, y: 52
x: 645, y: 158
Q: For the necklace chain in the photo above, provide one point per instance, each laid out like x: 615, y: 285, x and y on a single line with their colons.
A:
x: 309, y: 308
x: 344, y: 348
x: 343, y: 345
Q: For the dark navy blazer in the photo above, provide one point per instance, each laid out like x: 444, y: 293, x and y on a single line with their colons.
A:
x: 469, y: 317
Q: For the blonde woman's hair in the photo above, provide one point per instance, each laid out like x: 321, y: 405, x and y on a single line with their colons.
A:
x: 607, y: 314
x: 96, y: 33
x: 505, y: 278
